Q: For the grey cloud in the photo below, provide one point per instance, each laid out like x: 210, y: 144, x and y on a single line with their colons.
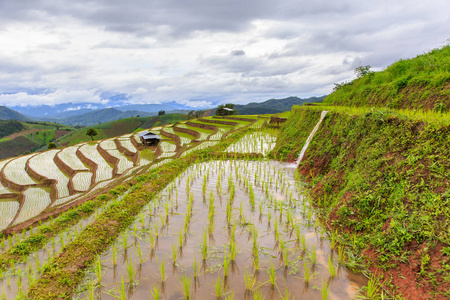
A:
x: 238, y: 52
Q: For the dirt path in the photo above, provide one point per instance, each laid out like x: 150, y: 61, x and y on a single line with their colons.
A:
x: 14, y: 135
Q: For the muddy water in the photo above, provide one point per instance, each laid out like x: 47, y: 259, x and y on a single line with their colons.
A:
x: 280, y: 225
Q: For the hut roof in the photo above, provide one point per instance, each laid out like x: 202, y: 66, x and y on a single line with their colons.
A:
x: 151, y: 136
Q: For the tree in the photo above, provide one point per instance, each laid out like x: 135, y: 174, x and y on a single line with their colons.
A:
x: 362, y: 71
x: 226, y: 110
x: 91, y: 132
x: 161, y: 112
x: 195, y: 114
x: 51, y: 145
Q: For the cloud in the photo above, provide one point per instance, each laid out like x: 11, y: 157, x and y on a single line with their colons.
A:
x: 202, y: 52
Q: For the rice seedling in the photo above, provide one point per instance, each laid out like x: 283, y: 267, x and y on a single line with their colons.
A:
x: 186, y: 282
x: 257, y: 295
x: 181, y: 239
x: 162, y: 269
x: 156, y: 293
x: 195, y: 267
x: 174, y: 254
x: 205, y: 180
x: 306, y: 273
x: 226, y: 266
x: 204, y: 245
x: 139, y: 253
x: 130, y: 270
x: 241, y: 212
x: 324, y: 291
x: 229, y: 212
x: 233, y: 247
x: 272, y: 275
x: 125, y: 240
x: 220, y: 287
x: 313, y: 255
x: 287, y: 294
x: 91, y: 291
x: 252, y: 197
x: 286, y: 257
x: 152, y: 241
x: 122, y: 290
x: 98, y: 270
x: 249, y: 281
x: 373, y: 288
x: 333, y: 239
x: 331, y: 267
x: 341, y: 254
x: 256, y: 263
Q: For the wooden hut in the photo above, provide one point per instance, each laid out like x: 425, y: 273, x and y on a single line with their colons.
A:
x: 149, y: 138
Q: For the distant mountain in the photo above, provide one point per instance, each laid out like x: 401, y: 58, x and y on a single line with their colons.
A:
x: 100, y: 116
x: 274, y: 106
x: 47, y: 112
x: 9, y: 114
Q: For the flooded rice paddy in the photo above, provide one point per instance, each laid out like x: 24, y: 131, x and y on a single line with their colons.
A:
x: 225, y: 229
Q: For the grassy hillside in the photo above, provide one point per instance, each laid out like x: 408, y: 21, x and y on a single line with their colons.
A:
x: 420, y: 83
x: 382, y: 182
x: 102, y: 115
x: 119, y: 127
x: 274, y: 106
x: 27, y: 137
x: 9, y: 114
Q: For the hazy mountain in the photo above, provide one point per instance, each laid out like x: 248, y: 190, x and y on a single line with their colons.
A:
x: 46, y: 112
x: 9, y: 114
x: 100, y: 116
x: 274, y: 106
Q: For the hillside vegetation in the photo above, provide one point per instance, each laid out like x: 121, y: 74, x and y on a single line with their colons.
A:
x: 25, y: 137
x: 9, y: 114
x: 421, y: 83
x: 119, y: 127
x: 380, y: 175
x: 274, y: 106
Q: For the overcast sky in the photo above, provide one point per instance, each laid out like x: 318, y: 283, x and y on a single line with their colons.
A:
x: 202, y: 52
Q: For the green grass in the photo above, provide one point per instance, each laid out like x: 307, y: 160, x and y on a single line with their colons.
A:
x: 379, y: 177
x: 119, y: 127
x: 420, y: 83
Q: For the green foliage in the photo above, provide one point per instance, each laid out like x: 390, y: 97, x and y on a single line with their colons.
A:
x: 383, y: 176
x: 226, y: 110
x: 420, y: 83
x: 10, y: 127
x: 293, y: 133
x: 91, y: 132
x: 119, y: 127
x: 52, y: 145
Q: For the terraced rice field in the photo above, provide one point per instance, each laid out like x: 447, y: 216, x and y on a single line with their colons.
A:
x: 16, y: 171
x: 69, y: 157
x: 221, y: 229
x: 44, y: 165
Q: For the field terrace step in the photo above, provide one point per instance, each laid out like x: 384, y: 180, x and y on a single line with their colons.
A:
x: 171, y: 135
x: 8, y: 210
x: 165, y: 149
x: 183, y: 129
x: 183, y: 140
x: 202, y: 136
x: 43, y: 168
x: 236, y: 118
x: 68, y: 161
x: 205, y: 120
x: 89, y: 155
x: 36, y: 199
x: 15, y: 174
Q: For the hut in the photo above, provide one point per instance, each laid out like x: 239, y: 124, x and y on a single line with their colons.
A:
x: 149, y: 138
